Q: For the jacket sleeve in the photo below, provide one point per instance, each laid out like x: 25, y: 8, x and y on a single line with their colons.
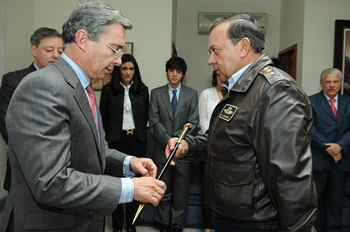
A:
x: 146, y: 104
x: 280, y: 129
x: 6, y: 91
x: 158, y: 130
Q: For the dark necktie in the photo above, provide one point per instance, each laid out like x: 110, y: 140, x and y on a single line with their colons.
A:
x: 224, y: 91
x: 174, y: 103
x: 332, y: 100
x: 91, y: 95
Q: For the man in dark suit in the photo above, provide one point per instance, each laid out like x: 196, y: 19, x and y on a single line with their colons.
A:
x: 63, y: 176
x: 330, y: 147
x: 172, y: 106
x: 46, y: 46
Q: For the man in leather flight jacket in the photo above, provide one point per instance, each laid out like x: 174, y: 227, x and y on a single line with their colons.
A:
x: 258, y: 174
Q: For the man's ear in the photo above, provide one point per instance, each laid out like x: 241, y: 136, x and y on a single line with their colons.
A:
x: 82, y: 39
x: 245, y: 47
x: 33, y: 50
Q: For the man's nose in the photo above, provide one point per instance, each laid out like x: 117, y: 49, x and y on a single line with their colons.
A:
x: 56, y: 53
x: 211, y: 59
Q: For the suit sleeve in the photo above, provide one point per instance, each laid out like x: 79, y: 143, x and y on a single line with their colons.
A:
x: 158, y: 130
x: 280, y: 129
x: 344, y: 139
x: 146, y: 104
x: 317, y: 139
x: 6, y: 92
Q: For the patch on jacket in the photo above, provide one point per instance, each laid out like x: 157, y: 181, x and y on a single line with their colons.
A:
x: 271, y: 74
x: 228, y: 112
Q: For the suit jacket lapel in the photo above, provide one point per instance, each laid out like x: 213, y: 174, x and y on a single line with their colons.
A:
x: 181, y: 101
x: 341, y: 107
x: 166, y: 100
x: 325, y: 105
x: 82, y: 101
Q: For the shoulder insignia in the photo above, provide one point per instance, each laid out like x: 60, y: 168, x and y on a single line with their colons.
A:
x: 271, y: 74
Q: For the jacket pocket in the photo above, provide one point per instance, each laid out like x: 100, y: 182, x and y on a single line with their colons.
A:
x: 231, y: 188
x: 47, y: 221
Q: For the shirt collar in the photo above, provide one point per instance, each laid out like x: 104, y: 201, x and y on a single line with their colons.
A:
x: 336, y: 97
x: 36, y: 67
x: 85, y: 81
x: 178, y: 88
x: 126, y: 87
x: 234, y: 78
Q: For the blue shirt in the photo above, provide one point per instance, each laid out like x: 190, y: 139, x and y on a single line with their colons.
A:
x: 234, y: 78
x: 127, y: 193
x: 171, y: 92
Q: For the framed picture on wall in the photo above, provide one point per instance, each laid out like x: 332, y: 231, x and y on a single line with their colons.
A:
x: 129, y: 48
x: 98, y: 84
x: 341, y: 59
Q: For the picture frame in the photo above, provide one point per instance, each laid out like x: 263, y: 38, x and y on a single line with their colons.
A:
x: 98, y: 84
x: 341, y: 59
x: 129, y: 48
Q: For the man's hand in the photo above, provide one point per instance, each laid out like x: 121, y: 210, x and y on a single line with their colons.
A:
x: 148, y: 189
x: 143, y: 166
x: 337, y: 157
x: 333, y: 148
x: 181, y: 150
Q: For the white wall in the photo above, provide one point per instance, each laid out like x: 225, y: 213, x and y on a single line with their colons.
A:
x: 194, y: 47
x: 18, y: 29
x: 2, y: 71
x: 151, y: 33
x: 312, y: 28
x: 319, y: 29
x: 292, y: 30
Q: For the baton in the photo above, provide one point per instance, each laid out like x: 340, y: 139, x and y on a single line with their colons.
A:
x: 186, y: 129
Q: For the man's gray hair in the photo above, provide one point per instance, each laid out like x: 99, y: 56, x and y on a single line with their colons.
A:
x: 93, y: 16
x: 330, y: 71
x: 243, y: 25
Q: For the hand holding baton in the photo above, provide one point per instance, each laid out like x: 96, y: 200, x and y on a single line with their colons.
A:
x: 186, y: 129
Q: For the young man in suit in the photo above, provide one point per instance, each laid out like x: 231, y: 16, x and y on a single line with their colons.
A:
x: 172, y: 106
x: 64, y: 177
x: 46, y: 46
x: 330, y: 147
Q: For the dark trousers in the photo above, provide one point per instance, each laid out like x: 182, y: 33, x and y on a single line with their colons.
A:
x: 131, y: 145
x: 172, y: 208
x: 330, y: 187
x: 221, y: 226
x: 207, y: 213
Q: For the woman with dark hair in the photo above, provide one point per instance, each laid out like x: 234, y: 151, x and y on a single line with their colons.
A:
x: 124, y: 109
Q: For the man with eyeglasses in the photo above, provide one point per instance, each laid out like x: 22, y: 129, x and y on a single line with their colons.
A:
x: 64, y: 177
x: 46, y: 46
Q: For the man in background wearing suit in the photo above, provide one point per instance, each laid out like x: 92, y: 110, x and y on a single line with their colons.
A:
x: 172, y: 106
x: 63, y: 176
x: 46, y: 46
x: 330, y: 147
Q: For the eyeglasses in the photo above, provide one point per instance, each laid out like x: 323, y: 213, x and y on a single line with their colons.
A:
x: 117, y: 53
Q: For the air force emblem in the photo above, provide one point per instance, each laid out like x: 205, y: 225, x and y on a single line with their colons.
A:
x: 228, y: 112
